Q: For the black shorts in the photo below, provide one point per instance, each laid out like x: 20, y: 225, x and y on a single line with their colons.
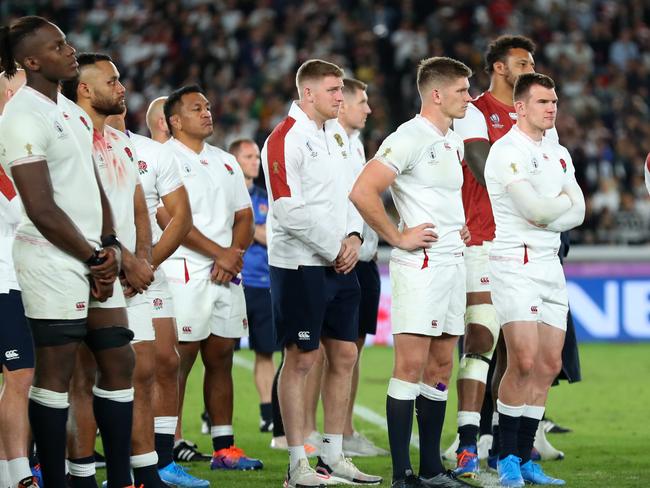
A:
x: 260, y: 323
x: 314, y: 301
x: 370, y: 284
x: 16, y: 345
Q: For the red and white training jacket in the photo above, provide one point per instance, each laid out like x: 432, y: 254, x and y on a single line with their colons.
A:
x: 308, y: 179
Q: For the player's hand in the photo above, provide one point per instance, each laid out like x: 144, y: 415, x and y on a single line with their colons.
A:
x: 220, y: 275
x: 229, y: 259
x: 137, y: 271
x: 465, y: 235
x: 101, y: 291
x: 107, y: 272
x: 418, y: 237
x: 539, y: 226
x: 348, y: 255
x: 128, y: 290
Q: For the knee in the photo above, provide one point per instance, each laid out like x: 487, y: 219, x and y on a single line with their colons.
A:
x: 19, y: 381
x: 408, y: 369
x: 168, y: 363
x: 551, y: 367
x: 438, y: 372
x: 344, y: 359
x: 523, y: 365
x: 300, y: 362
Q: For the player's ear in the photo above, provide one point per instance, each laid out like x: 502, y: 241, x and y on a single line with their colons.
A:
x: 83, y: 91
x: 175, y: 121
x: 499, y: 67
x: 30, y: 63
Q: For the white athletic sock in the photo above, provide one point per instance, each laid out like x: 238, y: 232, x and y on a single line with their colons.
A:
x: 495, y: 418
x: 165, y: 425
x: 4, y: 473
x: 469, y: 418
x: 403, y: 390
x: 81, y: 470
x: 144, y: 460
x: 510, y: 410
x: 18, y: 470
x: 296, y: 453
x: 221, y: 430
x: 332, y: 448
x: 534, y: 412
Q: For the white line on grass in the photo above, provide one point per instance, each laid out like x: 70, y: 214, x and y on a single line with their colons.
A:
x: 360, y: 411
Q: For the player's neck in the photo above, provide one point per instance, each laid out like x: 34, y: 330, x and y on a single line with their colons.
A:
x: 193, y: 143
x: 99, y: 120
x: 161, y: 137
x: 437, y: 118
x: 500, y: 90
x: 43, y: 86
x: 346, y: 127
x: 249, y: 182
x: 312, y: 114
x: 535, y: 133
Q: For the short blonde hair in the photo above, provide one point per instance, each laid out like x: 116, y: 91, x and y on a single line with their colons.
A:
x: 440, y: 69
x: 314, y: 69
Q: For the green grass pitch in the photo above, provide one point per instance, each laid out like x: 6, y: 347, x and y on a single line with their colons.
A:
x: 608, y: 412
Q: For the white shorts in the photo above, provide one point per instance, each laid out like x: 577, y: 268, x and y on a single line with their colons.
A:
x: 54, y: 284
x: 116, y: 300
x: 140, y: 321
x: 204, y: 308
x: 429, y: 301
x: 476, y: 263
x: 532, y: 292
x: 160, y: 297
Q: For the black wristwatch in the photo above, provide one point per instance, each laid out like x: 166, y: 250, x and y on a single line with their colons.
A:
x: 356, y: 234
x: 95, y: 259
x: 111, y: 240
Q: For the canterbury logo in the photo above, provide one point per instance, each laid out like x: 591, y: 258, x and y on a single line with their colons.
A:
x: 80, y: 305
x: 434, y: 324
x: 485, y: 280
x: 12, y: 354
x: 533, y: 309
x: 304, y: 335
x: 187, y: 329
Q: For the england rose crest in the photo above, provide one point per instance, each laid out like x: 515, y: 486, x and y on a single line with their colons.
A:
x: 129, y: 153
x: 563, y: 163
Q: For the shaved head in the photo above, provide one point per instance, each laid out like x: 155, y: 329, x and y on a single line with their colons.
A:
x: 9, y: 86
x: 155, y: 112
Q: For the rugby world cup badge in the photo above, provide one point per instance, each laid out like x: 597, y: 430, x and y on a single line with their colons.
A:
x: 496, y: 121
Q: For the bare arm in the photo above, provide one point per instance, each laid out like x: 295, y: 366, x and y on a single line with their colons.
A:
x: 374, y: 179
x: 260, y: 234
x: 142, y: 225
x: 35, y: 188
x: 177, y: 226
x: 476, y: 153
x: 243, y: 230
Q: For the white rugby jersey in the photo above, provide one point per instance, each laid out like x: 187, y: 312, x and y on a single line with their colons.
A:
x: 547, y: 166
x: 216, y: 188
x: 308, y: 180
x: 34, y: 128
x: 370, y: 238
x: 158, y: 177
x: 427, y: 187
x: 116, y: 161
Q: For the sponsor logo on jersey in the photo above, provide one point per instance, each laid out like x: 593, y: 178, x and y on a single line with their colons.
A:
x: 187, y: 329
x: 129, y: 153
x: 386, y: 152
x: 229, y: 168
x: 66, y: 116
x: 28, y: 148
x: 513, y: 167
x: 142, y: 167
x: 338, y: 139
x: 533, y: 309
x: 485, y: 280
x: 59, y: 130
x: 12, y: 354
x: 434, y: 324
x: 84, y: 122
x: 157, y: 304
x: 204, y: 162
x: 496, y: 121
x: 312, y: 153
x: 187, y: 169
x: 447, y: 146
x: 80, y: 306
x: 545, y: 156
x: 563, y: 163
x: 276, y: 168
x: 304, y: 335
x: 244, y: 323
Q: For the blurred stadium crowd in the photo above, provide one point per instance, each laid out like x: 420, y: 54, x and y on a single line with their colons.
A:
x: 245, y: 54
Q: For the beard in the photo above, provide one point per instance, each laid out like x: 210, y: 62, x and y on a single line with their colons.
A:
x: 105, y: 106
